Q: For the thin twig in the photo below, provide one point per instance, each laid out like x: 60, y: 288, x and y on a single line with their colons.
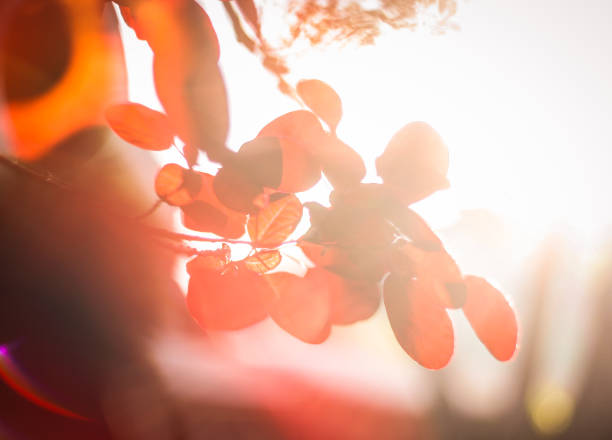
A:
x: 149, y: 211
x: 160, y: 232
x: 177, y: 248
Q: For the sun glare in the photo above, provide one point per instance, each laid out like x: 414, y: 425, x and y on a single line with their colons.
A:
x: 522, y: 150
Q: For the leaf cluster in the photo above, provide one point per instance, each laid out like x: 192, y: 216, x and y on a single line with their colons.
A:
x: 368, y: 244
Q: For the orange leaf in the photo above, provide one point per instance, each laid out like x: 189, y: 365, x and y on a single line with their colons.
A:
x: 187, y: 79
x: 249, y: 12
x: 350, y: 300
x: 437, y: 267
x: 176, y: 185
x: 302, y: 305
x: 261, y: 161
x: 343, y: 167
x: 191, y: 154
x: 331, y: 257
x: 229, y: 300
x: 419, y: 321
x: 140, y: 126
x: 274, y: 223
x: 204, y: 217
x: 415, y: 162
x: 300, y: 126
x: 263, y: 261
x: 207, y: 214
x: 236, y: 190
x: 126, y: 13
x: 210, y: 260
x: 321, y: 99
x: 491, y: 317
x: 300, y: 169
x: 414, y: 227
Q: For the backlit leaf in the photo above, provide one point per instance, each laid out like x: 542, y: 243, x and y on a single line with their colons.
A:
x: 419, y: 321
x: 300, y: 126
x: 491, y: 317
x: 126, y: 13
x: 204, y: 217
x: 210, y: 260
x: 207, y: 214
x: 140, y: 126
x: 414, y: 227
x: 415, y: 162
x: 263, y: 261
x: 302, y: 305
x: 436, y: 267
x: 322, y: 100
x: 355, y: 264
x: 261, y: 161
x: 176, y: 185
x: 187, y: 78
x: 350, y: 300
x: 274, y: 223
x: 342, y: 166
x: 236, y: 190
x: 249, y: 12
x: 191, y: 154
x: 300, y: 169
x: 228, y: 300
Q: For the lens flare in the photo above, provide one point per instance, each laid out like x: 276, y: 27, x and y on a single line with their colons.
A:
x: 16, y: 380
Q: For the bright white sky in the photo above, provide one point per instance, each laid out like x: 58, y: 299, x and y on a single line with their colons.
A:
x: 521, y: 95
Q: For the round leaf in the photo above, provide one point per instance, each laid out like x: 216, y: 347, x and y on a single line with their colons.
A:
x: 302, y: 305
x: 419, y: 321
x: 263, y: 261
x: 342, y: 166
x: 300, y: 126
x: 415, y: 162
x: 229, y: 300
x: 207, y: 214
x: 141, y: 126
x: 321, y: 99
x: 491, y: 317
x: 274, y: 223
x: 176, y: 185
x: 350, y: 300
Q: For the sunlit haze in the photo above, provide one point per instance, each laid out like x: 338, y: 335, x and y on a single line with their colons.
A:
x: 520, y: 94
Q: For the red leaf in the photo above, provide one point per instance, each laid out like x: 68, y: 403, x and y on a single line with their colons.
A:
x: 300, y: 169
x: 236, y: 190
x: 302, y: 305
x: 263, y: 261
x: 249, y: 12
x: 260, y: 161
x: 343, y: 167
x: 321, y: 99
x: 207, y: 214
x: 176, y: 185
x: 414, y: 227
x: 126, y: 13
x: 491, y: 317
x: 140, y: 126
x: 210, y: 260
x: 352, y: 264
x: 436, y: 267
x: 191, y: 154
x: 419, y: 321
x: 415, y: 162
x: 229, y: 300
x: 300, y: 126
x: 187, y: 78
x: 204, y: 217
x: 274, y: 223
x: 350, y: 300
